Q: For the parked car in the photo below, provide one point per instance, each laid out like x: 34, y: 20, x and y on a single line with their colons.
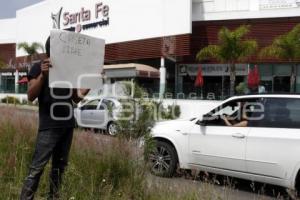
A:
x: 266, y: 149
x: 99, y: 113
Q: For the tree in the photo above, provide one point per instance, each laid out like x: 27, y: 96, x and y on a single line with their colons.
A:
x: 285, y: 47
x: 32, y: 49
x: 2, y: 64
x: 232, y: 48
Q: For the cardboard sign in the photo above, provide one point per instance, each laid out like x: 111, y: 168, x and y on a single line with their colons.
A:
x: 77, y: 60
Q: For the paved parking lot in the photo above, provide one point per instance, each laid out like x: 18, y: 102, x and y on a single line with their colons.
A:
x: 242, y: 190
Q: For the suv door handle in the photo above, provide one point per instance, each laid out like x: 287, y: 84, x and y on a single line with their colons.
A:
x: 183, y: 133
x: 238, y: 135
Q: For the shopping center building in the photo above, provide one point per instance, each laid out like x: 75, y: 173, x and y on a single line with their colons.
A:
x: 162, y: 36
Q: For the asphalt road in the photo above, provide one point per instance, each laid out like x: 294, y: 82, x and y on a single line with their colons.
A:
x: 242, y: 189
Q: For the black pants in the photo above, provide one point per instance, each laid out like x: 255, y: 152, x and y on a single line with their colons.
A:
x: 53, y: 143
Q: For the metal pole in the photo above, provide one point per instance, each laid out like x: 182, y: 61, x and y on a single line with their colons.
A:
x: 162, y: 72
x: 16, y: 81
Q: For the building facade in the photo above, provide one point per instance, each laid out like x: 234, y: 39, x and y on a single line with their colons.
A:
x: 164, y: 34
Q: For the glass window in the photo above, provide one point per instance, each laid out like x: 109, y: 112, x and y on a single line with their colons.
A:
x: 265, y: 71
x: 294, y: 108
x: 298, y: 70
x: 107, y: 105
x: 235, y: 111
x: 92, y: 105
x: 298, y: 79
x: 282, y: 113
x: 229, y: 109
x: 282, y: 70
x: 7, y: 84
x: 282, y: 83
x: 267, y: 86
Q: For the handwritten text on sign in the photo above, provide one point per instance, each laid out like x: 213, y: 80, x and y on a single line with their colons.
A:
x: 77, y: 60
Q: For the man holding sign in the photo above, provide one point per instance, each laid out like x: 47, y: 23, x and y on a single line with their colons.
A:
x: 56, y: 120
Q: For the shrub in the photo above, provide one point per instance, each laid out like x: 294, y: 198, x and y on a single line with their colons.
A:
x: 241, y: 88
x: 169, y: 113
x: 137, y: 123
x: 2, y: 64
x: 10, y: 100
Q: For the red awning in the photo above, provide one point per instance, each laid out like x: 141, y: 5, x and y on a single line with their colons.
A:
x: 199, y: 79
x: 253, y: 78
x: 23, y: 80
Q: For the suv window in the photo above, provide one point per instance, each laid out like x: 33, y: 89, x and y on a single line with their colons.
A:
x: 235, y: 111
x: 281, y: 113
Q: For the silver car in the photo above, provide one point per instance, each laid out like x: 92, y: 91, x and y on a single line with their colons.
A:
x: 99, y: 113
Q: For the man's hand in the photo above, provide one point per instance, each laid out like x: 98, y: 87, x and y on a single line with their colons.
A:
x: 45, y: 67
x: 79, y: 94
x: 82, y: 92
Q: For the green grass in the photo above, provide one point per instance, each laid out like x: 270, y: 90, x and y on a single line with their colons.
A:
x: 99, y: 167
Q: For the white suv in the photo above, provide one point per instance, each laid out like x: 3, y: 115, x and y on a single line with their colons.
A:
x: 265, y: 149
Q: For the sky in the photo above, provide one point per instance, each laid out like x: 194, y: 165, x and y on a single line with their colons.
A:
x: 8, y: 7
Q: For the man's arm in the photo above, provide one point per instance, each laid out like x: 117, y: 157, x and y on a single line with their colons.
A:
x: 36, y: 83
x: 79, y: 94
x: 34, y: 87
x: 242, y: 124
x: 226, y: 121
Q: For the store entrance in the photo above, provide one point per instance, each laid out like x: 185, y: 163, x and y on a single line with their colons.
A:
x: 212, y: 88
x: 282, y: 84
x: 226, y: 85
x: 7, y: 84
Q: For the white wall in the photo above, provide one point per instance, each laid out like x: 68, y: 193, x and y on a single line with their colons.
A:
x: 205, y: 10
x: 8, y: 31
x: 33, y: 24
x: 136, y: 19
x: 189, y: 108
x: 129, y: 19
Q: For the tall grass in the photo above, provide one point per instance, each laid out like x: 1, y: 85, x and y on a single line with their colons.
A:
x: 99, y: 167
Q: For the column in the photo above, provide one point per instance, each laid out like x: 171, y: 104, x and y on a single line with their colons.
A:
x: 162, y: 85
x: 16, y: 81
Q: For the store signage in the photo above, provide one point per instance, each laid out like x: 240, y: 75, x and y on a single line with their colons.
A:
x: 13, y: 73
x: 278, y: 4
x: 212, y: 69
x: 6, y: 74
x: 13, y: 64
x: 82, y: 19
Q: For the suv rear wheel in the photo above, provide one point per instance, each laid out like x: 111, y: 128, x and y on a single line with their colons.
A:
x: 163, y: 159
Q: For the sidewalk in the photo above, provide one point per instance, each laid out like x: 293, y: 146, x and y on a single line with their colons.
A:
x: 24, y: 107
